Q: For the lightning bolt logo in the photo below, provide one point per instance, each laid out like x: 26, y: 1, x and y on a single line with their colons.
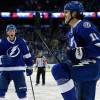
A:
x: 13, y: 51
x: 85, y: 62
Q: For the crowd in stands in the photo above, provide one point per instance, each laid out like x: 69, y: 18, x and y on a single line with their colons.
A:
x: 44, y: 5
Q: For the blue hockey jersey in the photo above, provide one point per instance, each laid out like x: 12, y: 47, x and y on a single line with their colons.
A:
x: 84, y: 34
x: 19, y: 53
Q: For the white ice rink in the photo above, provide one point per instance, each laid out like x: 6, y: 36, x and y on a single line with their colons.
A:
x: 48, y: 92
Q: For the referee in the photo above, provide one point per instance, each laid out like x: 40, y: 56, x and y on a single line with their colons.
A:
x: 40, y: 64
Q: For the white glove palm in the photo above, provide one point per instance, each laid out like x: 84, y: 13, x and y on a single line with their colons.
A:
x: 79, y: 53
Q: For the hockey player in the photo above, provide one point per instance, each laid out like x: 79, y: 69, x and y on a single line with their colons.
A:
x: 14, y: 55
x: 77, y: 77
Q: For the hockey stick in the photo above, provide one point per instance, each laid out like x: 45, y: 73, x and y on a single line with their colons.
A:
x: 51, y: 51
x: 32, y: 87
x: 38, y: 32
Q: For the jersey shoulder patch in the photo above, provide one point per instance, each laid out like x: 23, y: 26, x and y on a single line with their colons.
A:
x: 86, y: 24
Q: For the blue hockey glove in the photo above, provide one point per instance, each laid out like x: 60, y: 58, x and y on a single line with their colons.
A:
x: 71, y: 56
x: 29, y: 70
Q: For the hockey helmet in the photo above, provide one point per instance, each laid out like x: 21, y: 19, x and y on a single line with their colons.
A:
x: 10, y: 27
x: 74, y: 6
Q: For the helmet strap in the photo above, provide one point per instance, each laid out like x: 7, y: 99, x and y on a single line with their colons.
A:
x: 70, y: 18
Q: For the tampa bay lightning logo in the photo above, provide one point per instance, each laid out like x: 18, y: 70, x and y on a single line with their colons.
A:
x: 13, y: 51
x: 86, y: 25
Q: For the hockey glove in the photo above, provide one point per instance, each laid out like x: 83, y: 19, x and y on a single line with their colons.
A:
x: 29, y: 70
x: 79, y: 53
x: 75, y: 55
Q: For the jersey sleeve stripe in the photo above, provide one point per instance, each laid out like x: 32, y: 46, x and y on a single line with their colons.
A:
x: 26, y: 56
